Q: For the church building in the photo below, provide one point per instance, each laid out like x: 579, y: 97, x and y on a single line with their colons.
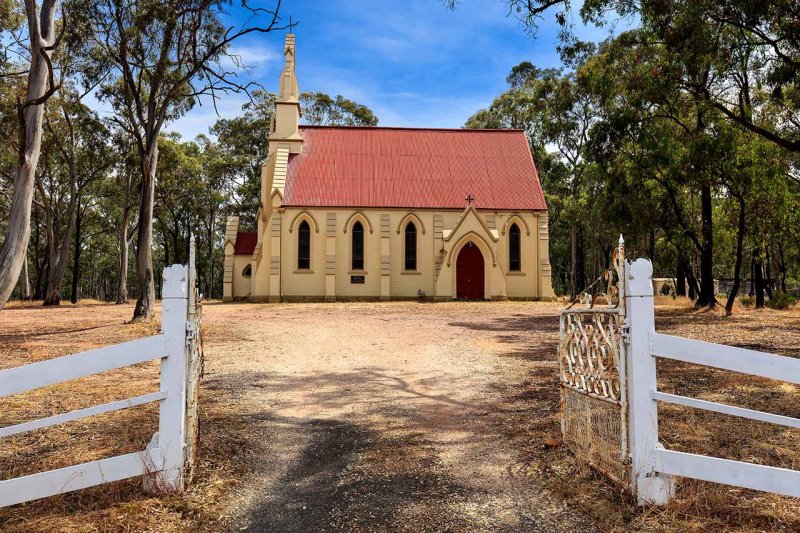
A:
x: 377, y: 213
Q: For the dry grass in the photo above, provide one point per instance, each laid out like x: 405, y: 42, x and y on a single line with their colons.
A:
x: 120, y: 506
x: 681, y: 302
x: 699, y: 506
x: 528, y: 417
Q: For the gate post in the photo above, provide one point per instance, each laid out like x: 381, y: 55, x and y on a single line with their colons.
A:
x: 647, y: 484
x: 172, y: 412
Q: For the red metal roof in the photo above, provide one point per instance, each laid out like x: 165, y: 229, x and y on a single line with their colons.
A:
x: 245, y: 242
x: 412, y: 167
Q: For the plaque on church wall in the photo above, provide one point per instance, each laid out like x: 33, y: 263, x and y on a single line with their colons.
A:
x: 357, y: 279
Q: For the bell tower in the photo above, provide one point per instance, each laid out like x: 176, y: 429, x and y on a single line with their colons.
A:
x: 284, y: 131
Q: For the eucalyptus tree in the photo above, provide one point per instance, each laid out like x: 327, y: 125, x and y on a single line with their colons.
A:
x: 677, y: 127
x: 77, y: 156
x: 36, y: 46
x: 557, y: 111
x: 764, y: 98
x: 155, y: 59
x: 242, y: 146
x: 321, y: 109
x: 764, y: 29
x: 120, y: 202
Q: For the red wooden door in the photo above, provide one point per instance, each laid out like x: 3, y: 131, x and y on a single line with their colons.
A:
x: 469, y: 273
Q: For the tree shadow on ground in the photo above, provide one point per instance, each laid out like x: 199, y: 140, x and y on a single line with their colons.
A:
x: 26, y: 336
x: 376, y: 468
x: 348, y: 477
x: 334, y: 390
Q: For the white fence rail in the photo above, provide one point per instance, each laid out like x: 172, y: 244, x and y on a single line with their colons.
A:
x: 165, y: 458
x: 652, y: 466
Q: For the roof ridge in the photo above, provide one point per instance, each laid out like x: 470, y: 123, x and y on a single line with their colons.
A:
x: 412, y: 128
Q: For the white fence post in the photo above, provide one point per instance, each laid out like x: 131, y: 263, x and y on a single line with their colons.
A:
x: 172, y: 416
x: 649, y: 486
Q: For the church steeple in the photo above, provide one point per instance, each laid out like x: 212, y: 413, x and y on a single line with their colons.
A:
x: 287, y: 105
x: 288, y: 84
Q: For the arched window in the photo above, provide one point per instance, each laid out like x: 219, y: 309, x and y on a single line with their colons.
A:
x: 515, y: 258
x: 411, y: 246
x: 304, y: 246
x: 358, y: 246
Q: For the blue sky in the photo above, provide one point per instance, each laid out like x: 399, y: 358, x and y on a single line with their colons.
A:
x: 413, y: 62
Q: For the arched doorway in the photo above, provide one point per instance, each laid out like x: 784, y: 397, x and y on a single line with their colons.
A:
x: 470, y: 273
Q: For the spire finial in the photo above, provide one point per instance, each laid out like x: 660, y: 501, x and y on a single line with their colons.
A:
x: 288, y: 84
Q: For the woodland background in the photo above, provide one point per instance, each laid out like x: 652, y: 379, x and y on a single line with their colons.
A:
x: 683, y: 134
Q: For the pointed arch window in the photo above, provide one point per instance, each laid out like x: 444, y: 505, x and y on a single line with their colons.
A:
x: 358, y: 246
x: 411, y: 246
x: 515, y: 257
x: 304, y: 246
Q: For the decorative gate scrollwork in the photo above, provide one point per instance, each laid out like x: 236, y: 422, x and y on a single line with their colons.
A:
x: 590, y: 353
x: 593, y: 380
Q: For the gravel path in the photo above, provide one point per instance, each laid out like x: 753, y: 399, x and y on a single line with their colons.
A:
x: 376, y: 417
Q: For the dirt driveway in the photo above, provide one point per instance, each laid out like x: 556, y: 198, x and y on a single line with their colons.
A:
x: 386, y: 416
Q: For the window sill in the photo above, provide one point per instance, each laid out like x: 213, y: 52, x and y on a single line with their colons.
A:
x: 515, y: 273
x: 411, y: 273
x: 303, y: 271
x: 357, y: 273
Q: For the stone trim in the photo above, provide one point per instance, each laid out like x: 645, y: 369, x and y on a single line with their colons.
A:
x: 330, y: 225
x: 384, y: 225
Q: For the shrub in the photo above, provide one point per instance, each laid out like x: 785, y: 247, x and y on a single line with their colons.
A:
x: 747, y: 301
x: 781, y: 300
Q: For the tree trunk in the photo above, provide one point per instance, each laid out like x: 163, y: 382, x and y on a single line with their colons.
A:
x: 145, y: 302
x: 680, y: 275
x: 76, y: 257
x: 124, y: 243
x: 573, y: 278
x: 581, y: 262
x: 41, y: 269
x: 42, y: 37
x: 758, y: 277
x: 737, y: 269
x: 58, y: 251
x: 50, y: 241
x: 706, y: 296
x: 782, y: 266
x: 694, y: 287
x: 25, y: 282
x: 210, y: 284
x: 122, y: 266
x: 767, y: 265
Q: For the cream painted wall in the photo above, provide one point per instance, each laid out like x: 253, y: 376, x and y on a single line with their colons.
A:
x: 311, y: 284
x: 241, y: 283
x: 279, y: 247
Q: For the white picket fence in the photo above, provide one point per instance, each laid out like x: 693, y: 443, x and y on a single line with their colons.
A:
x: 164, y: 460
x: 652, y: 466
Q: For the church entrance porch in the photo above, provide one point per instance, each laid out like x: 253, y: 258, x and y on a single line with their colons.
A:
x: 470, y: 275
